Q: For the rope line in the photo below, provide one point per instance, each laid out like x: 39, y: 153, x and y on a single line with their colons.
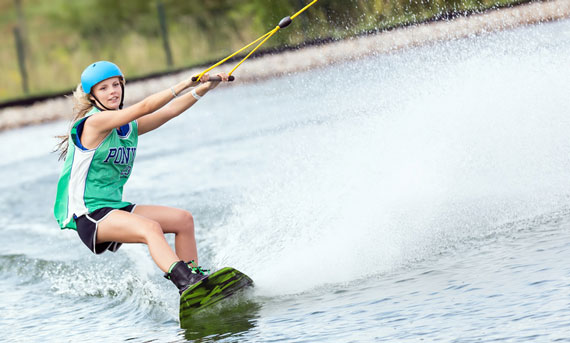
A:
x: 283, y: 23
x: 269, y: 34
x: 303, y: 10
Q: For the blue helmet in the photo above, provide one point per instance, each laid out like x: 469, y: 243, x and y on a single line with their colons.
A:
x: 98, y: 72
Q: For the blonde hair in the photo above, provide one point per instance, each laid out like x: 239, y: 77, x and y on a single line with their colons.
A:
x: 81, y: 106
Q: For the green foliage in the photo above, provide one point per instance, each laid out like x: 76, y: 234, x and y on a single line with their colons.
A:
x: 63, y: 36
x: 97, y: 19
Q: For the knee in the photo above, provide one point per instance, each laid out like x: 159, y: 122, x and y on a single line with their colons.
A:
x: 151, y: 230
x: 186, y: 222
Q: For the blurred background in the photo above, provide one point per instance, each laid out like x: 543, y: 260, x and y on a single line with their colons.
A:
x: 46, y: 44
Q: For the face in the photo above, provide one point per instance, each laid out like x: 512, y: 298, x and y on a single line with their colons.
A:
x: 109, y: 92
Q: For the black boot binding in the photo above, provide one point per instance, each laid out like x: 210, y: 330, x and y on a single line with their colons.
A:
x: 184, y: 275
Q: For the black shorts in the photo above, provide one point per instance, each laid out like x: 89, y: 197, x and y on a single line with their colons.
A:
x: 87, y: 229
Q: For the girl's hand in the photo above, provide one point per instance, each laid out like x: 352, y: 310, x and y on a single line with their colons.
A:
x: 213, y: 84
x: 209, y: 85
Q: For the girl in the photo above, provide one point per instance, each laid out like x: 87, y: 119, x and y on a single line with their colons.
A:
x: 99, y: 152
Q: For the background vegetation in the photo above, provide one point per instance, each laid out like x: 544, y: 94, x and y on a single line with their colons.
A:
x: 61, y: 37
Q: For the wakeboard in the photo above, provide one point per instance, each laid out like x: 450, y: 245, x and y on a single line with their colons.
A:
x: 217, y: 286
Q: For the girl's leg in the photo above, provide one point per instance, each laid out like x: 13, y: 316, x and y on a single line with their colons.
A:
x: 125, y: 227
x: 177, y: 221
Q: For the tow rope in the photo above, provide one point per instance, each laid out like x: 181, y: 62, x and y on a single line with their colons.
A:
x: 283, y: 23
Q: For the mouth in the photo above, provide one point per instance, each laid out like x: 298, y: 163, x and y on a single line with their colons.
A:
x: 113, y: 99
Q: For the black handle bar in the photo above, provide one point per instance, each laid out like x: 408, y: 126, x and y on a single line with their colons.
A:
x: 215, y: 78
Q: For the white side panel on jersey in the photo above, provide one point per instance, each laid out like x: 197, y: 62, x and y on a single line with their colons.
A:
x: 81, y: 162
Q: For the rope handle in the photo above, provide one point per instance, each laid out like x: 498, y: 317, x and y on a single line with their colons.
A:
x: 215, y: 78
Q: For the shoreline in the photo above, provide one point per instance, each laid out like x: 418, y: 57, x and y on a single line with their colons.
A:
x: 311, y: 57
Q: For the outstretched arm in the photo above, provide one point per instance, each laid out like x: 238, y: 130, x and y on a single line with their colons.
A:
x: 177, y: 106
x: 101, y: 123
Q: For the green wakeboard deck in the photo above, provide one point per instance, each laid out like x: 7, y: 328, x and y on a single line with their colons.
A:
x: 217, y: 286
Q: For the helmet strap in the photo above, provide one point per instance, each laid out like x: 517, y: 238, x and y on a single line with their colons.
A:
x: 122, y: 95
x: 99, y: 104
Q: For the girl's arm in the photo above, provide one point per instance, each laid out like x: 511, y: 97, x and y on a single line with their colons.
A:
x: 176, y: 107
x: 101, y: 123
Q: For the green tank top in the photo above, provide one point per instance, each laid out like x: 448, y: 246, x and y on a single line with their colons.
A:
x: 94, y: 178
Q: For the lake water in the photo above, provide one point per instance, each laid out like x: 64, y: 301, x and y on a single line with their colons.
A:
x: 422, y: 195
